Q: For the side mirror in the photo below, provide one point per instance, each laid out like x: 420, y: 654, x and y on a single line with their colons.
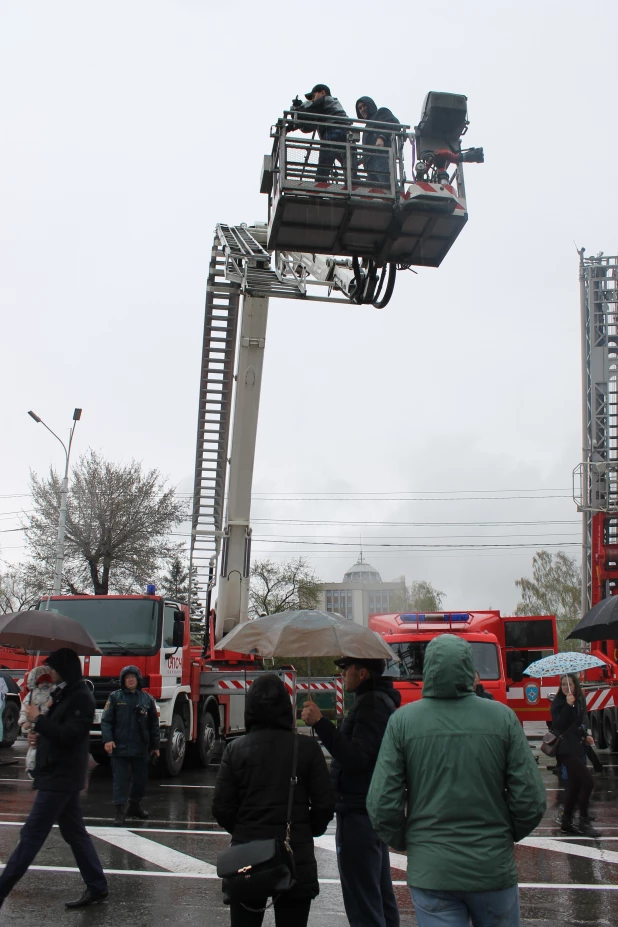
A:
x: 178, y: 637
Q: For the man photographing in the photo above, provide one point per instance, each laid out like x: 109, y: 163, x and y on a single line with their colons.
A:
x: 331, y: 119
x: 363, y: 859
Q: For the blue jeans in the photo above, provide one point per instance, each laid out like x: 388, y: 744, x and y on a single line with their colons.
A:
x: 456, y: 909
x: 125, y: 770
x: 49, y: 808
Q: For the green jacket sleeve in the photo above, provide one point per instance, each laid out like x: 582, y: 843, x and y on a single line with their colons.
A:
x: 525, y: 792
x: 386, y: 800
x: 107, y: 719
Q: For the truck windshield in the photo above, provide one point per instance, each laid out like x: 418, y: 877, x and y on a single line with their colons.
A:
x: 412, y: 656
x: 117, y: 625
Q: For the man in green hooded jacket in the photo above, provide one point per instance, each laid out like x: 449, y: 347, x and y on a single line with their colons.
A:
x: 456, y: 786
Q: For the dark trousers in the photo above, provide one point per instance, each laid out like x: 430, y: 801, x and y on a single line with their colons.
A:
x: 125, y: 770
x: 326, y: 161
x: 378, y: 170
x: 578, y: 787
x: 288, y: 913
x: 50, y: 808
x: 365, y: 871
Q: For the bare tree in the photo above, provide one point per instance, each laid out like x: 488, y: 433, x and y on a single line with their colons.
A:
x: 277, y: 587
x: 118, y: 524
x: 21, y: 587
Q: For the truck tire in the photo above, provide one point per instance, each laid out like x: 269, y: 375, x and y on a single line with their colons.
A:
x: 9, y: 723
x: 609, y: 730
x: 596, y: 726
x: 207, y: 744
x: 175, y: 747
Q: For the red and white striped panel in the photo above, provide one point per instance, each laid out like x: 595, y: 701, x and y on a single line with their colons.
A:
x: 597, y: 699
x: 339, y: 696
x: 233, y: 683
x: 321, y: 686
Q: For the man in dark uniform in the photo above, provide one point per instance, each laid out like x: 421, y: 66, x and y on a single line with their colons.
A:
x: 130, y: 733
x: 61, y: 737
x: 363, y: 859
x: 321, y: 105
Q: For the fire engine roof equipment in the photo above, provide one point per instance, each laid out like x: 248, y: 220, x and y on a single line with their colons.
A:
x: 560, y: 663
x: 38, y: 630
x: 307, y: 633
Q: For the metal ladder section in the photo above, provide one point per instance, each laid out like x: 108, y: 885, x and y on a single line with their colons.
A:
x: 248, y: 263
x: 214, y: 418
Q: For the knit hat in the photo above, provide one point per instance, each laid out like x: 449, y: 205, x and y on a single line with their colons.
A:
x: 67, y: 664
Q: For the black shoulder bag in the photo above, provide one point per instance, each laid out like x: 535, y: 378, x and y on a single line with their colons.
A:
x: 260, y: 868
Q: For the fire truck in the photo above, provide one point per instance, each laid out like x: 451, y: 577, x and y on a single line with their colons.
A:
x: 595, y: 482
x: 502, y: 648
x: 339, y: 239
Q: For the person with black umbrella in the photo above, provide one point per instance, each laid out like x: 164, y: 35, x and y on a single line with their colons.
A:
x: 61, y: 737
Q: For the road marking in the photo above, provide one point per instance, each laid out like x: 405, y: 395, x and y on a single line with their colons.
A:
x: 165, y: 786
x: 152, y: 852
x: 327, y: 842
x: 572, y: 849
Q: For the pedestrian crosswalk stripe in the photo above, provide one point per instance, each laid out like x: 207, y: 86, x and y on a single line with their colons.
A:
x: 572, y: 849
x: 152, y: 852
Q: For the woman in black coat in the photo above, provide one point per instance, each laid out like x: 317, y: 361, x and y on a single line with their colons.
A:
x: 251, y: 796
x: 569, y: 721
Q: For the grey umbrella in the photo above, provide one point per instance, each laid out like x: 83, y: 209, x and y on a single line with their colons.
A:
x: 600, y: 623
x: 42, y: 630
x: 307, y: 633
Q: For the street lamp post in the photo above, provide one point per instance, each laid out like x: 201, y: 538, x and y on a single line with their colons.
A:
x: 62, y: 521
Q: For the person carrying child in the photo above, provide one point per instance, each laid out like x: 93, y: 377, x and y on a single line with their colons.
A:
x: 40, y: 685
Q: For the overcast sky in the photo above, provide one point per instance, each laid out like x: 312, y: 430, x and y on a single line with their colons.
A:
x: 129, y: 129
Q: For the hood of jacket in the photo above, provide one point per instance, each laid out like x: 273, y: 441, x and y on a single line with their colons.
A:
x: 35, y: 674
x: 370, y: 104
x: 126, y: 670
x: 448, y: 670
x: 67, y: 664
x: 268, y: 704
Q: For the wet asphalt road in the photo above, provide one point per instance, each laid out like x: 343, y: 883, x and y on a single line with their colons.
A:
x: 163, y: 871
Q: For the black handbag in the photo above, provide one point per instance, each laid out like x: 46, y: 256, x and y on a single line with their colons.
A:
x: 550, y: 743
x: 260, y: 868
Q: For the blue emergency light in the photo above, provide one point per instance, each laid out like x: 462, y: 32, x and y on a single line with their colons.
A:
x: 151, y: 589
x: 436, y: 617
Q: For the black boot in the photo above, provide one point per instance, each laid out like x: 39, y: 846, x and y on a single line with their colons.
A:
x: 135, y: 810
x: 567, y: 826
x: 119, y: 818
x: 587, y: 828
x: 89, y: 897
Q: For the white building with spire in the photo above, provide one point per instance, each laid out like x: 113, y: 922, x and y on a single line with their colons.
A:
x: 362, y: 593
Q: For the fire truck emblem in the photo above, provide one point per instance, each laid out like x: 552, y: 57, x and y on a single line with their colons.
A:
x: 532, y: 693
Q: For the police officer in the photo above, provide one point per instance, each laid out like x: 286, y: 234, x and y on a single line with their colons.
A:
x: 363, y: 859
x: 130, y: 733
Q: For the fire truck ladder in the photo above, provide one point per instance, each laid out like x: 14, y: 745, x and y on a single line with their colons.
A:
x: 214, y: 417
x: 596, y: 478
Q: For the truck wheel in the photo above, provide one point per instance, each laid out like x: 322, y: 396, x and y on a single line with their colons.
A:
x: 9, y: 723
x: 596, y: 726
x: 175, y: 746
x: 609, y: 731
x: 207, y: 743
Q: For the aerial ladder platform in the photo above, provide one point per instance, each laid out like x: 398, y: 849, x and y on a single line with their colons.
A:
x: 342, y: 240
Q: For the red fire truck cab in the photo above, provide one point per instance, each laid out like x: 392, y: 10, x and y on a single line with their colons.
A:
x: 502, y: 649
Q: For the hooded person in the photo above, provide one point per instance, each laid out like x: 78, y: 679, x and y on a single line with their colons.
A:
x: 40, y: 685
x: 362, y: 857
x: 252, y: 790
x: 456, y: 786
x: 130, y: 734
x: 61, y: 737
x: 376, y: 134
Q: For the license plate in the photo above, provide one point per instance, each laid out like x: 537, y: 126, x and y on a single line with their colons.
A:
x: 98, y: 715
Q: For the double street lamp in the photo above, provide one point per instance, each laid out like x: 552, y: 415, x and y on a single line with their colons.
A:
x: 62, y: 521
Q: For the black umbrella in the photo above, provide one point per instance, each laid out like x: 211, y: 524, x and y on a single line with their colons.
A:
x: 600, y: 623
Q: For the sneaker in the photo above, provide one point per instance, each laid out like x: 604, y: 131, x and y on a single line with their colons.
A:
x: 587, y: 829
x: 135, y: 810
x: 567, y: 827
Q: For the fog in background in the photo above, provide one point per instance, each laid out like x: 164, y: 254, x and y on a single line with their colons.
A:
x: 128, y: 130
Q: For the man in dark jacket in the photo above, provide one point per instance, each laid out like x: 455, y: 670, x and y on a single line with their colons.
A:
x: 130, y: 733
x: 61, y: 738
x: 331, y: 127
x: 252, y: 793
x: 376, y: 163
x: 363, y: 859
